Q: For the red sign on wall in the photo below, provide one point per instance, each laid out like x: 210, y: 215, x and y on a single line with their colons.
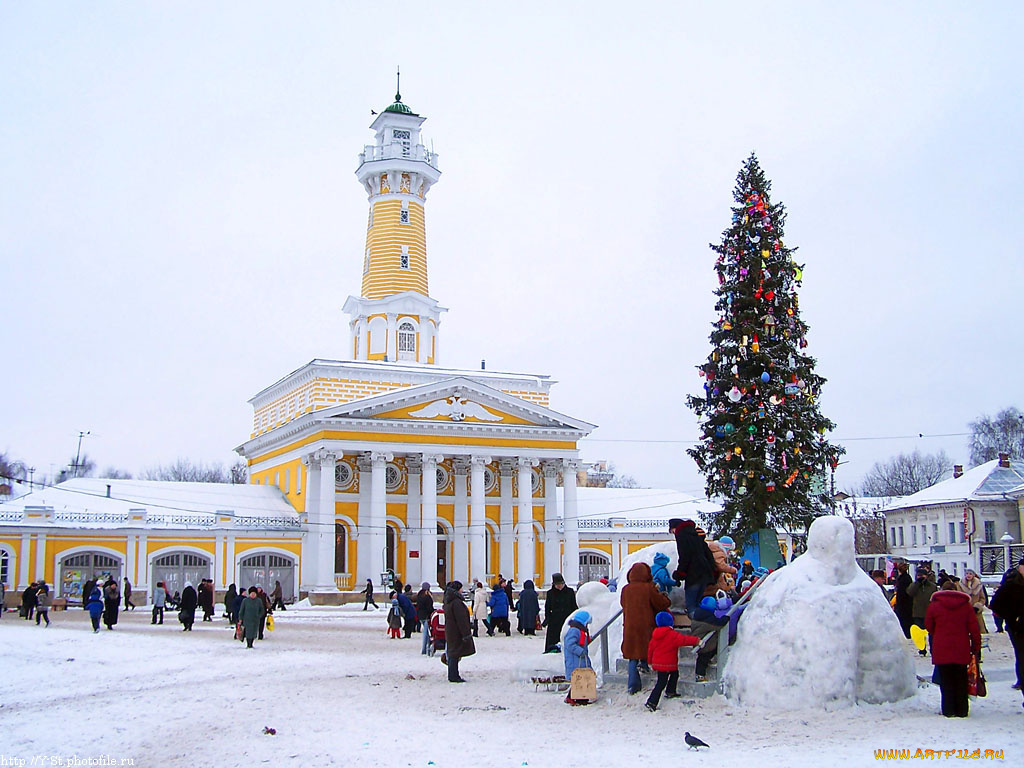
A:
x: 414, y: 553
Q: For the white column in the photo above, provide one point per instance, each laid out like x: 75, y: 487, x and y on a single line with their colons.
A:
x: 230, y: 576
x: 552, y: 544
x: 218, y: 561
x: 142, y: 565
x: 392, y: 347
x: 364, y: 343
x: 428, y: 532
x: 24, y: 555
x: 506, y: 528
x: 524, y: 522
x: 478, y: 515
x: 378, y: 511
x: 325, y: 523
x: 130, y: 562
x: 364, y: 561
x: 460, y: 522
x: 414, y: 520
x: 570, y: 515
x: 422, y: 339
x: 311, y: 509
x: 41, y: 558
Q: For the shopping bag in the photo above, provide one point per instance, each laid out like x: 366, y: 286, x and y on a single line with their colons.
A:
x: 583, y: 684
x: 238, y: 631
x: 972, y: 677
x: 982, y: 685
x: 920, y: 637
x: 270, y: 623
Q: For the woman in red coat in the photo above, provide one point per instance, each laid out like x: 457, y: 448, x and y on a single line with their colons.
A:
x: 953, y: 626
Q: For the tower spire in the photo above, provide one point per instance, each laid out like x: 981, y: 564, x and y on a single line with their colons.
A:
x: 398, y: 83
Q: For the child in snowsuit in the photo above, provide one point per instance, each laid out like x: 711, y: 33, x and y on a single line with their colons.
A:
x: 663, y: 656
x: 575, y: 650
x: 395, y: 620
x: 659, y: 572
x: 95, y: 607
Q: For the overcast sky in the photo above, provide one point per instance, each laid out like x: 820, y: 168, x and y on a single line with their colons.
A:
x: 180, y: 223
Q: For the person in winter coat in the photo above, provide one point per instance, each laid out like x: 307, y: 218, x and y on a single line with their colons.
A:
x: 395, y: 620
x: 94, y: 604
x: 529, y: 608
x: 424, y: 603
x: 28, y: 601
x: 251, y: 615
x: 159, y: 601
x: 277, y: 597
x: 479, y: 609
x: 507, y: 586
x: 128, y: 604
x: 1008, y: 602
x: 498, y: 604
x: 368, y: 591
x: 236, y: 607
x: 904, y: 606
x: 111, y: 603
x: 726, y: 573
x: 659, y: 573
x: 559, y: 603
x: 663, y: 656
x: 457, y: 629
x: 953, y: 628
x: 86, y: 593
x: 408, y: 612
x: 208, y: 600
x: 187, y: 606
x: 640, y: 601
x: 267, y: 610
x: 696, y: 567
x: 43, y: 601
x: 576, y: 650
x: 972, y: 585
x: 920, y: 593
x: 229, y: 603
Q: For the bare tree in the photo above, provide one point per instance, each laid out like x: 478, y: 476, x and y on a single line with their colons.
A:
x: 239, y: 472
x: 623, y: 481
x: 905, y: 474
x: 183, y: 470
x: 85, y: 467
x: 11, y: 468
x: 1003, y: 434
x: 113, y: 473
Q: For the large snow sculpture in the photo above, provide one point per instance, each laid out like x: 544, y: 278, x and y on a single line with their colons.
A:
x: 819, y: 633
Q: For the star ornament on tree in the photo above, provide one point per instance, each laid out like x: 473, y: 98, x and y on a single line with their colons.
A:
x: 763, y: 446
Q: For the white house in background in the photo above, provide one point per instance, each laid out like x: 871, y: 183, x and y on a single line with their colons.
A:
x: 972, y: 520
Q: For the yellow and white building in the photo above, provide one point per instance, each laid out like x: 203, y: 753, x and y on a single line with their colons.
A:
x: 387, y: 461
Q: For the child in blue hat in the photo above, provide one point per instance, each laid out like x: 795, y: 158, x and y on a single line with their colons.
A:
x: 576, y: 649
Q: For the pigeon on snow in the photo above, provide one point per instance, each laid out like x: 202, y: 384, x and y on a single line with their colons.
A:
x: 693, y: 742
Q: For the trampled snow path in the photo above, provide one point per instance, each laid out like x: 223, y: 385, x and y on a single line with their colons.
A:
x: 335, y: 689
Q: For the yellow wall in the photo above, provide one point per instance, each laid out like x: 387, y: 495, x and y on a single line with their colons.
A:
x: 384, y: 241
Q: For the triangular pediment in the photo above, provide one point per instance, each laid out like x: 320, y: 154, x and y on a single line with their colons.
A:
x: 454, y: 401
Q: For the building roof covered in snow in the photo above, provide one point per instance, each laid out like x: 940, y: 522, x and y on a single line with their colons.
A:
x: 98, y: 502
x: 864, y: 506
x: 636, y: 508
x: 994, y: 480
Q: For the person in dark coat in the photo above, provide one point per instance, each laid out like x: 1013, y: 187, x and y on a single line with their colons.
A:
x: 498, y: 603
x: 921, y: 592
x: 904, y: 606
x: 457, y: 629
x: 94, y: 604
x: 187, y: 607
x: 369, y: 595
x: 111, y: 603
x: 277, y: 597
x: 87, y: 593
x: 252, y: 614
x: 28, y: 601
x: 641, y: 602
x: 696, y: 565
x: 424, y: 603
x: 128, y: 604
x: 1008, y: 602
x: 207, y: 598
x: 953, y: 628
x: 559, y: 603
x: 236, y: 607
x: 229, y: 603
x: 529, y: 608
x: 267, y: 610
x: 408, y: 612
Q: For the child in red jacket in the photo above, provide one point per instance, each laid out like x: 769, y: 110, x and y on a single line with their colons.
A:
x: 663, y: 656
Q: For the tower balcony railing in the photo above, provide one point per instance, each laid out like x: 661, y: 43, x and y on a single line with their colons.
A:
x: 398, y: 151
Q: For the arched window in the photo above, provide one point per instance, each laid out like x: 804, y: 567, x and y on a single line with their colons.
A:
x: 406, y: 342
x: 340, y: 547
x: 76, y: 570
x: 390, y: 544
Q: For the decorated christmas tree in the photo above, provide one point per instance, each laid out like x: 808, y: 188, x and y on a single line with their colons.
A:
x: 764, y: 451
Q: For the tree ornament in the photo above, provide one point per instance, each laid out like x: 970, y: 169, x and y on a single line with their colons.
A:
x: 729, y: 428
x: 735, y: 394
x: 765, y: 376
x: 789, y: 434
x: 754, y: 345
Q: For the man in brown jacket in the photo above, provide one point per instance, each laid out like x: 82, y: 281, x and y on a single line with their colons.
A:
x: 641, y: 601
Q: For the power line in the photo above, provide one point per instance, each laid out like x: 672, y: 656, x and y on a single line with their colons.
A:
x: 918, y: 436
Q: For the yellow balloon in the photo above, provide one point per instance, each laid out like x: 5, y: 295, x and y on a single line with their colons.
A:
x: 920, y: 637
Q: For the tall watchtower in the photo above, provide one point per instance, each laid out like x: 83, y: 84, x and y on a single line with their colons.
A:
x: 394, y: 318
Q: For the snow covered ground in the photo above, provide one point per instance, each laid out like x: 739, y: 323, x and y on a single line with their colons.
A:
x: 339, y: 692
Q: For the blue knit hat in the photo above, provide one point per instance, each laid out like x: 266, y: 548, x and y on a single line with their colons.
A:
x: 582, y: 617
x: 709, y: 603
x: 664, y: 619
